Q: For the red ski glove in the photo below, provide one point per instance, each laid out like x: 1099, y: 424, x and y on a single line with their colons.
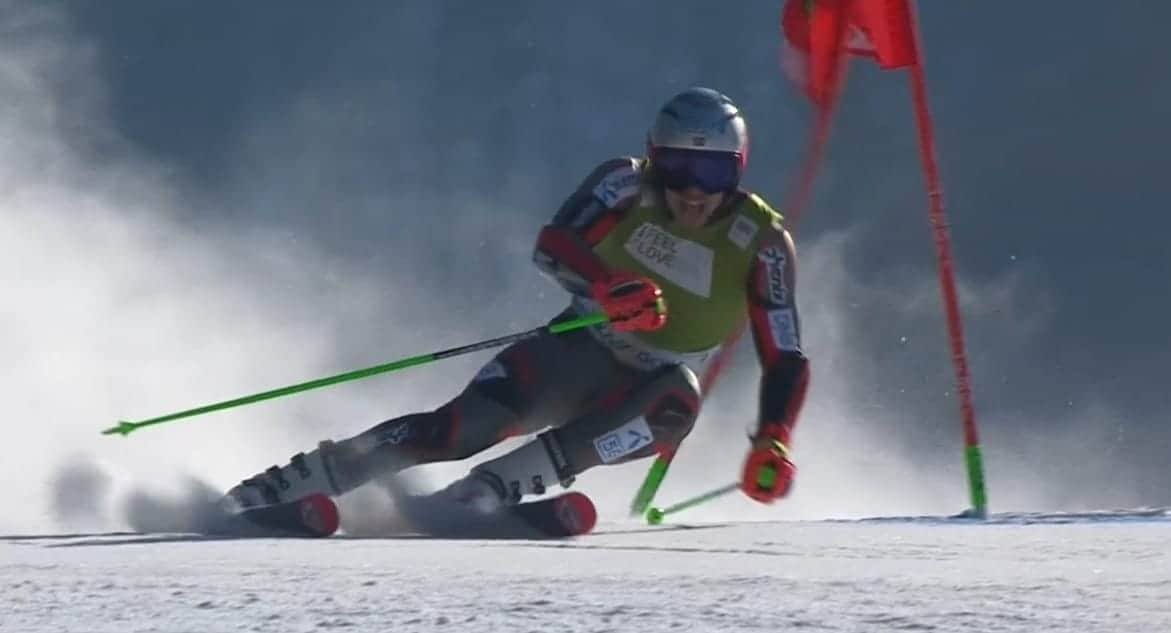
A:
x: 768, y: 472
x: 632, y: 303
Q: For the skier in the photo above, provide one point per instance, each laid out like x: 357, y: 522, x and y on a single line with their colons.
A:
x: 681, y: 260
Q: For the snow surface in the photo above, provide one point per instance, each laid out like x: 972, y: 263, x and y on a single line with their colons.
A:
x: 1087, y: 572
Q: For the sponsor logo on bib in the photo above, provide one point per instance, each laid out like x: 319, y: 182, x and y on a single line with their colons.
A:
x: 683, y: 262
x: 742, y: 231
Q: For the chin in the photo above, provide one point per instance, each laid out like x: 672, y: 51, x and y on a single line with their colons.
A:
x: 691, y: 221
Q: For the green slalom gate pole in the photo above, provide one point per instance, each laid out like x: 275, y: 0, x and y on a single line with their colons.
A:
x: 125, y: 428
x: 976, y: 490
x: 654, y: 516
x: 650, y: 485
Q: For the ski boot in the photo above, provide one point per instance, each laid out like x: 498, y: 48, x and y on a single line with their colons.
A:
x: 327, y: 470
x: 505, y: 480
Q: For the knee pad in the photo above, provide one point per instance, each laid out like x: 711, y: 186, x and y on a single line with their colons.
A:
x: 672, y: 414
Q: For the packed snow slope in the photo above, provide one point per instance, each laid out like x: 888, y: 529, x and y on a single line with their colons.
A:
x: 1108, y: 572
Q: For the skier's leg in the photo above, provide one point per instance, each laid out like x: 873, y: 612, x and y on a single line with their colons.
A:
x: 642, y: 414
x: 517, y: 392
x: 663, y: 404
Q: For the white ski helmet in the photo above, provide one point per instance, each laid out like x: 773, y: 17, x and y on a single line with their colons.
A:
x: 700, y: 119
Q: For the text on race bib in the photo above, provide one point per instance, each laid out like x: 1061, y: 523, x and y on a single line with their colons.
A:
x: 683, y: 262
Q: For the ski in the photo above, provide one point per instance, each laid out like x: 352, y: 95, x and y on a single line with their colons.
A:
x: 314, y: 516
x: 567, y: 515
x: 563, y: 516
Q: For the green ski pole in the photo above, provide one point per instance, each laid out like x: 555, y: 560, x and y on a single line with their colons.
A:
x: 125, y: 428
x: 654, y: 516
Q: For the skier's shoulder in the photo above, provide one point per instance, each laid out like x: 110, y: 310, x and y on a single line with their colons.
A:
x: 762, y: 219
x: 614, y: 184
x: 616, y: 179
x: 755, y: 207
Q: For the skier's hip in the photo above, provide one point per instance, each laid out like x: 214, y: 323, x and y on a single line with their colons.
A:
x: 636, y: 354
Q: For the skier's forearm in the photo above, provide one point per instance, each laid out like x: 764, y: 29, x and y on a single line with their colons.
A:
x: 568, y: 259
x: 782, y: 395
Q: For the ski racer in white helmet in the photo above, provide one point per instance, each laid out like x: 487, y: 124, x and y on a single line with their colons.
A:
x: 684, y: 261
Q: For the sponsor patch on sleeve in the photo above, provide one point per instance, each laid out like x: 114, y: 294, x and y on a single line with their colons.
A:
x: 774, y: 260
x: 783, y: 326
x: 618, y: 185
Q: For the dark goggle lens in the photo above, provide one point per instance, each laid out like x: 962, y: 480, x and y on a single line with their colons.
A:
x: 710, y: 171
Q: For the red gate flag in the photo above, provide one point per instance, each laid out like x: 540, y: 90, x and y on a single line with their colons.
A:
x: 819, y: 35
x: 818, y: 32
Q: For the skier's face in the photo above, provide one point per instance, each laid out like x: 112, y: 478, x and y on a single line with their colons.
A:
x: 692, y: 207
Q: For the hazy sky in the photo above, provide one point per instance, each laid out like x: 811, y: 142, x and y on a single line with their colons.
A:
x: 421, y: 143
x: 1050, y: 128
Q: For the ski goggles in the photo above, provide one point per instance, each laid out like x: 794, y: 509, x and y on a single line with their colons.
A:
x: 713, y: 172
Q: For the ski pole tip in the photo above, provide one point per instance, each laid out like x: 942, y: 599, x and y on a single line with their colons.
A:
x: 124, y: 428
x: 654, y: 516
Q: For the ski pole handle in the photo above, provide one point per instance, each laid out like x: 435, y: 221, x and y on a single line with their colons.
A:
x: 654, y: 516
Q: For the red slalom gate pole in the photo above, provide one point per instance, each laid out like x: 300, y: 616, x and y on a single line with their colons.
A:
x: 972, y: 452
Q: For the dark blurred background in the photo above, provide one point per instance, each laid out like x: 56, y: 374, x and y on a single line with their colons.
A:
x: 378, y: 131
